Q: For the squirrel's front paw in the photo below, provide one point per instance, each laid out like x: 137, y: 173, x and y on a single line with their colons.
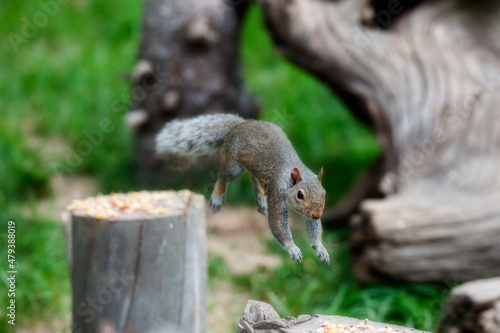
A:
x: 262, y: 205
x: 322, y: 254
x: 295, y: 253
x: 216, y: 203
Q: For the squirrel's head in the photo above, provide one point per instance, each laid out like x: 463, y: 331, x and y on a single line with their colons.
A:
x: 306, y: 196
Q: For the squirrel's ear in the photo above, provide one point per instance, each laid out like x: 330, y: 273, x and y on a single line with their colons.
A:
x: 320, y: 174
x: 296, y: 177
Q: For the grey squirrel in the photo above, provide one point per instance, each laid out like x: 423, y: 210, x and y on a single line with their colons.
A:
x: 280, y: 180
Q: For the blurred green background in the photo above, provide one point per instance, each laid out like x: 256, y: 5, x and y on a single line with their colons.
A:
x: 63, y: 80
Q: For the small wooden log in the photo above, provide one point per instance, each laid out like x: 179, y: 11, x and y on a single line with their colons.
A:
x: 139, y: 262
x: 473, y: 307
x: 261, y: 317
x: 427, y: 238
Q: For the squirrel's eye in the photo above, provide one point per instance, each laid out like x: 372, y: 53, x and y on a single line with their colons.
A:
x: 300, y: 195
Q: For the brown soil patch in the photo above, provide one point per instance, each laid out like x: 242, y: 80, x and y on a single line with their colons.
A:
x: 65, y: 189
x: 236, y: 235
x: 225, y: 307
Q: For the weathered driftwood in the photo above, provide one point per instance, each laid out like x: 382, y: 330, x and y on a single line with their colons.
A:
x: 428, y: 86
x: 139, y: 271
x: 188, y: 64
x: 261, y: 317
x: 440, y: 239
x: 473, y: 307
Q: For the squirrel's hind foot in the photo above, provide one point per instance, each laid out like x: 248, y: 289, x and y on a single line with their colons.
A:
x: 216, y: 203
x: 262, y: 205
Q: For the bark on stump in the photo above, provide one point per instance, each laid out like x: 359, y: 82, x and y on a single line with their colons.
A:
x: 188, y: 64
x: 473, y: 307
x: 429, y: 87
x: 138, y: 262
x: 261, y: 317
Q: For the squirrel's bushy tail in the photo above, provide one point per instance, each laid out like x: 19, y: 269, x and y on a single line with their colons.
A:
x: 201, y: 135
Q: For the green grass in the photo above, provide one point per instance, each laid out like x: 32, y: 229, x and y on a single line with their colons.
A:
x: 67, y: 78
x: 42, y: 280
x: 23, y: 172
x: 59, y: 84
x: 63, y: 82
x: 313, y: 287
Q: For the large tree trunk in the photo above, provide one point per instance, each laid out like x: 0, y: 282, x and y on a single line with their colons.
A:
x: 188, y: 64
x: 428, y: 86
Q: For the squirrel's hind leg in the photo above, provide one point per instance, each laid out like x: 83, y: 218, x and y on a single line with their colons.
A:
x: 260, y: 196
x: 218, y: 197
x: 229, y: 170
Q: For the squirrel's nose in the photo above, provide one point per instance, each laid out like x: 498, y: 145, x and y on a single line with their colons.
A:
x: 316, y: 216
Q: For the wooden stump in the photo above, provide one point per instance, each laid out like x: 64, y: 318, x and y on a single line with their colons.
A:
x: 139, y: 263
x: 473, y: 307
x: 261, y: 317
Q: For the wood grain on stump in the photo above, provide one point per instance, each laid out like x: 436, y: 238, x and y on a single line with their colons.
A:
x: 139, y: 262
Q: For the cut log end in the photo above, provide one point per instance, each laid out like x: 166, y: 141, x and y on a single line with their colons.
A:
x: 142, y: 68
x: 200, y: 33
x: 135, y: 119
x: 171, y: 100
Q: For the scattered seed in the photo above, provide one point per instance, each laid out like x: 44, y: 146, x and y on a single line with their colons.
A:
x: 116, y: 205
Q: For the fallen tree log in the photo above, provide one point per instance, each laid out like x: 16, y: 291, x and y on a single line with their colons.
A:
x: 261, y: 317
x: 433, y: 239
x: 138, y: 262
x: 473, y: 307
